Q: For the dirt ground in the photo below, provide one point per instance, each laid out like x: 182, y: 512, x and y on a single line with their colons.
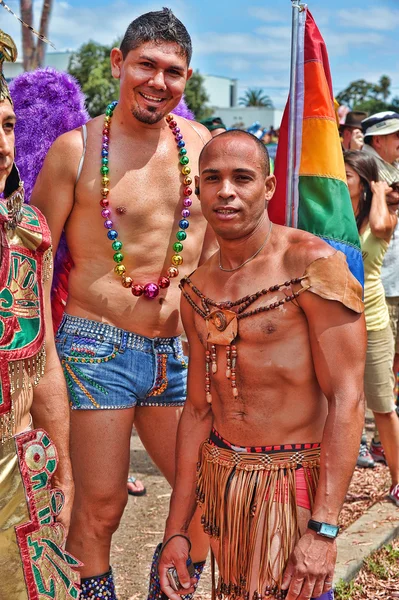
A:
x: 143, y: 522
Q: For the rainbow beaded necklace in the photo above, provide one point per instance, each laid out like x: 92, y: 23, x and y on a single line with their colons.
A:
x: 150, y: 289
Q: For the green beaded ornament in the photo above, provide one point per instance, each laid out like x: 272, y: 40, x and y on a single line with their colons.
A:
x: 118, y: 257
x: 117, y: 245
x: 181, y: 235
x: 177, y: 247
x: 184, y: 160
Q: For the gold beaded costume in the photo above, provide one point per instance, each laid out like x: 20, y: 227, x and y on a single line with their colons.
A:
x: 33, y: 564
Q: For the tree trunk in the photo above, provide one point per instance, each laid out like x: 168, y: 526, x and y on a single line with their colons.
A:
x: 33, y: 52
x: 28, y: 44
x: 44, y: 26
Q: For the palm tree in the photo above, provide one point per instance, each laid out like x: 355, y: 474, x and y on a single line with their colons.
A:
x: 255, y: 97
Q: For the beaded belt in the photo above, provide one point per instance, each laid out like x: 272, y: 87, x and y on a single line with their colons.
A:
x: 127, y: 339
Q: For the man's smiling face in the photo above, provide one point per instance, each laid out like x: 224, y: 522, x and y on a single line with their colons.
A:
x: 152, y: 79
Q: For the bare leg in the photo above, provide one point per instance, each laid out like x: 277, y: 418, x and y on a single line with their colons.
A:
x: 388, y: 426
x: 157, y: 428
x: 100, y: 452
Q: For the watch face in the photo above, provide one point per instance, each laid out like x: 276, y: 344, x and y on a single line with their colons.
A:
x: 327, y: 530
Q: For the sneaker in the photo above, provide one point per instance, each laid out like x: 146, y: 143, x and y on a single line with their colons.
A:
x: 377, y: 452
x: 364, y: 459
x: 394, y: 494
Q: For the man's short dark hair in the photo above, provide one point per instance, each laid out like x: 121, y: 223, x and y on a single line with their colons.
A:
x: 265, y: 160
x: 160, y: 26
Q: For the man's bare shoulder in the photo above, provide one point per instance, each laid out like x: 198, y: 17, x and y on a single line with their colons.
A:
x: 303, y: 248
x: 199, y: 129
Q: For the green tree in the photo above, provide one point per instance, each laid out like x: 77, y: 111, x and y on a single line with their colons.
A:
x: 196, y: 97
x: 255, y: 97
x: 91, y: 67
x: 370, y: 97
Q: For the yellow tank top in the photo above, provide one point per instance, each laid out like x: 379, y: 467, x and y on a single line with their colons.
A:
x: 376, y: 310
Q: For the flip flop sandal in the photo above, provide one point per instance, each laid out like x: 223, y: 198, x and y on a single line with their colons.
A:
x: 133, y: 493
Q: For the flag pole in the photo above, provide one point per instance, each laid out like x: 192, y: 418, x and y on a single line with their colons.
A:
x: 296, y: 7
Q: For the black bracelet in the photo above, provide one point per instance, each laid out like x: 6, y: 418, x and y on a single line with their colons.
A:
x: 171, y: 538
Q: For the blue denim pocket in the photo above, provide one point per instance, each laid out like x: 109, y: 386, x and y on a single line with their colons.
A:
x: 84, y: 349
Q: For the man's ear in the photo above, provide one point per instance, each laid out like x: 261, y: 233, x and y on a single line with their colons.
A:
x: 270, y: 188
x: 116, y: 58
x: 197, y: 189
x: 189, y: 73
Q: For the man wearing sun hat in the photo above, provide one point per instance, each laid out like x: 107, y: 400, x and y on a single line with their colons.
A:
x: 381, y: 136
x: 351, y: 130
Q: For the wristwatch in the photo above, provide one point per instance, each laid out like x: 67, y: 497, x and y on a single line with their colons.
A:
x: 324, y: 529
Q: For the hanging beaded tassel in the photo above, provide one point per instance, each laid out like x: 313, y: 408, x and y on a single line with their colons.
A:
x: 233, y: 370
x: 214, y: 359
x: 100, y: 586
x: 154, y: 590
x: 208, y: 377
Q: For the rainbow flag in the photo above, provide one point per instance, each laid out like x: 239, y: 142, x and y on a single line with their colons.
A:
x: 321, y: 201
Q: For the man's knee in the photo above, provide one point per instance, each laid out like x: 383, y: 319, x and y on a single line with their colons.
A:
x: 100, y: 512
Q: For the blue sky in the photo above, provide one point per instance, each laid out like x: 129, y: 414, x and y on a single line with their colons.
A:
x: 245, y: 39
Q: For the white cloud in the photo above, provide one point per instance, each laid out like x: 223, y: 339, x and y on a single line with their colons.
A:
x: 379, y: 18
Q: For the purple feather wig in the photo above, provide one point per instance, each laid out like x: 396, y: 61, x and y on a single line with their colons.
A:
x: 47, y: 103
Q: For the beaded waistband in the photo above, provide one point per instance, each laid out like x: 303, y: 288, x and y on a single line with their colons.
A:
x: 126, y: 339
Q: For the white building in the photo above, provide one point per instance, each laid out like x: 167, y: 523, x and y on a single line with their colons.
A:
x: 57, y: 60
x: 244, y: 116
x: 222, y: 91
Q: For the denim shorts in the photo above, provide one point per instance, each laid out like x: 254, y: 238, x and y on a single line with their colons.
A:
x: 106, y: 367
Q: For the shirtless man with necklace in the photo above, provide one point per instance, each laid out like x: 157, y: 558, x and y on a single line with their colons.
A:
x: 130, y: 222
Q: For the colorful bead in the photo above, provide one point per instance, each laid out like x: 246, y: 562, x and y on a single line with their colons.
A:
x: 137, y: 290
x: 177, y: 260
x: 127, y: 282
x: 120, y: 269
x: 177, y: 247
x: 151, y: 290
x: 181, y: 236
x: 164, y: 282
x: 172, y: 272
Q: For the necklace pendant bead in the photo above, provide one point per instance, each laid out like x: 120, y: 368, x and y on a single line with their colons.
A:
x: 112, y: 234
x: 169, y: 118
x: 151, y: 290
x: 164, y: 282
x: 118, y: 257
x: 187, y: 202
x: 181, y: 143
x: 104, y: 170
x: 184, y: 160
x: 172, y: 124
x: 105, y: 181
x: 108, y: 224
x: 184, y: 224
x: 177, y: 247
x: 185, y: 213
x: 186, y: 170
x: 172, y: 272
x: 117, y: 245
x: 187, y: 191
x: 105, y: 192
x: 104, y: 202
x: 105, y: 213
x: 137, y: 290
x: 179, y: 137
x: 187, y: 181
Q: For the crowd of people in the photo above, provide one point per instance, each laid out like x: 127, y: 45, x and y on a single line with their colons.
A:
x: 244, y: 382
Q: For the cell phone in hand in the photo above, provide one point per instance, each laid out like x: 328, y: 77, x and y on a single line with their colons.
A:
x: 173, y: 577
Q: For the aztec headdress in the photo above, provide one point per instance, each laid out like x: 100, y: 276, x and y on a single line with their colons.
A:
x: 8, y: 52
